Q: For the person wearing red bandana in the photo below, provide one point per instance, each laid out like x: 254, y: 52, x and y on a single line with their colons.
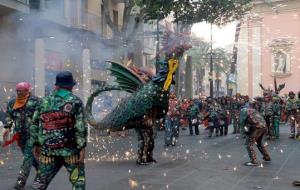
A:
x: 19, y: 115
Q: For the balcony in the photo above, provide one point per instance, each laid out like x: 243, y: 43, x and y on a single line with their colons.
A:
x: 9, y: 6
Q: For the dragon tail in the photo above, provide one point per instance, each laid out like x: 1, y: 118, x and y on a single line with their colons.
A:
x: 88, y: 108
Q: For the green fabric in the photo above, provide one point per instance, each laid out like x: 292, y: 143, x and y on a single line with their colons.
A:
x: 291, y: 105
x: 15, y: 116
x: 267, y: 109
x: 251, y: 118
x: 62, y: 93
x: 213, y: 111
x: 193, y: 110
x: 124, y: 77
x: 136, y: 106
x: 57, y: 102
x: 276, y: 123
x: 47, y: 172
x: 276, y: 109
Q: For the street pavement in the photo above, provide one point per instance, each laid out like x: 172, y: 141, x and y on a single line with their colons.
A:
x: 195, y: 163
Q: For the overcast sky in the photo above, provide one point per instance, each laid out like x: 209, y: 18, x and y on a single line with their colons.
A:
x: 221, y: 36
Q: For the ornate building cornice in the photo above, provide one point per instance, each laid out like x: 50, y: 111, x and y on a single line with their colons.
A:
x: 281, y: 44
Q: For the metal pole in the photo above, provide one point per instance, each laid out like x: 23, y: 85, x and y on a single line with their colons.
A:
x: 211, y: 92
x: 157, y: 46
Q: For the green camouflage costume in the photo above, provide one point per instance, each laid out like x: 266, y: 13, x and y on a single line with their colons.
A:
x: 60, y: 131
x: 291, y: 110
x: 276, y: 109
x: 223, y: 120
x: 235, y: 109
x: 213, y: 118
x: 193, y: 112
x: 254, y: 127
x: 267, y: 112
x: 21, y: 119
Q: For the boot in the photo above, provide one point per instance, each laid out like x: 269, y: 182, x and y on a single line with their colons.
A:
x: 19, y: 185
x: 267, y: 158
x: 296, y: 183
x: 150, y: 159
x: 141, y: 162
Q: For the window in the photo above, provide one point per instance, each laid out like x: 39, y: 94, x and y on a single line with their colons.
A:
x: 279, y: 64
x: 281, y: 58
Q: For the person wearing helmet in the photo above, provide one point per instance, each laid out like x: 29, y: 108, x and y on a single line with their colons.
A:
x: 20, y: 111
x: 291, y: 110
x: 255, y: 129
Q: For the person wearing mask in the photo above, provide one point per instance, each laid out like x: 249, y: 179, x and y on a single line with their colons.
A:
x: 19, y: 114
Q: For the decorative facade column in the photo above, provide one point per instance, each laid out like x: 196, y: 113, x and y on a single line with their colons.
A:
x: 39, y: 72
x: 242, y: 60
x: 256, y: 55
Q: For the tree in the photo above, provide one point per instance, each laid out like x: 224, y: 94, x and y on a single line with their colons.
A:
x: 200, y: 53
x: 123, y: 34
x: 133, y: 15
x: 193, y: 11
x: 222, y: 64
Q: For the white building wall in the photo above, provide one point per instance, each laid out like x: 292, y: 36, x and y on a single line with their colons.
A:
x: 256, y: 57
x: 242, y: 61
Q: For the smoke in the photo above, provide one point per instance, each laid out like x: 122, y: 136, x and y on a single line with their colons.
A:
x: 62, y: 30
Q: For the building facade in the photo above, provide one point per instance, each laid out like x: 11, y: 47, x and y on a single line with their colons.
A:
x: 40, y: 38
x: 269, y: 46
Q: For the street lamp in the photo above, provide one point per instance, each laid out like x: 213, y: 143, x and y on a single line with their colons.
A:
x: 211, y: 90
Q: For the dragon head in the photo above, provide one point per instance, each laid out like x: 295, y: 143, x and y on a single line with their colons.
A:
x: 173, y: 62
x: 172, y: 67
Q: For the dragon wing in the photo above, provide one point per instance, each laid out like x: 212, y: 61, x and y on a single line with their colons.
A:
x: 127, y: 80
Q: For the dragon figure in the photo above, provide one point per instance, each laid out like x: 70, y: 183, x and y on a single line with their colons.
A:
x: 147, y: 103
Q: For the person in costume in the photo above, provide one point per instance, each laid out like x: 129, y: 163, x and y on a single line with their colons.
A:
x: 212, y: 116
x: 291, y: 110
x: 193, y: 117
x: 59, y: 134
x: 267, y: 112
x: 276, y: 109
x: 224, y: 117
x: 254, y: 128
x: 19, y: 114
x: 145, y: 141
x: 172, y: 121
x: 235, y: 110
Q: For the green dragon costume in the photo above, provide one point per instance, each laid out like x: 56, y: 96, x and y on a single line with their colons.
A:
x: 148, y: 102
